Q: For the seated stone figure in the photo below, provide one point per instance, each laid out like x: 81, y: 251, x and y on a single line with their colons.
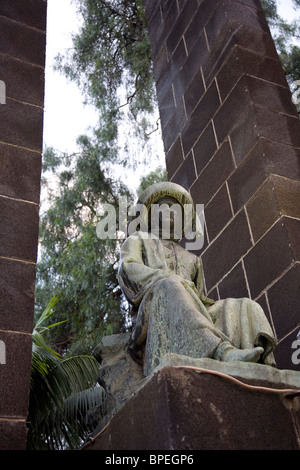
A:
x: 164, y: 284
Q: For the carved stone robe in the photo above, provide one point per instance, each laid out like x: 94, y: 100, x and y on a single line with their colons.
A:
x: 164, y: 283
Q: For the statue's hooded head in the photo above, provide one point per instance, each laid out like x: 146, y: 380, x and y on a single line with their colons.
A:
x: 171, y: 204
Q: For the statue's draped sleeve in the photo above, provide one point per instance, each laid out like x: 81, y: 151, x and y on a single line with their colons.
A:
x: 136, y: 277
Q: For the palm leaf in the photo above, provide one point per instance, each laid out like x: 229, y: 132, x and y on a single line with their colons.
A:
x: 46, y: 314
x: 62, y: 392
x: 63, y: 396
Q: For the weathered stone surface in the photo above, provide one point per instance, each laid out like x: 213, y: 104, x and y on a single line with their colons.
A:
x: 119, y: 374
x: 276, y: 197
x: 20, y: 173
x: 259, y: 372
x: 13, y: 434
x: 15, y: 376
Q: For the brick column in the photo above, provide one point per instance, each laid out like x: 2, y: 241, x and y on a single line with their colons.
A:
x: 232, y: 138
x: 22, y: 61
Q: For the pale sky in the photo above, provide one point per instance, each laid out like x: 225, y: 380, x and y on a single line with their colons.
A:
x: 286, y: 10
x: 65, y: 116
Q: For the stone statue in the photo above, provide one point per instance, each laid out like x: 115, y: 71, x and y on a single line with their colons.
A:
x: 164, y: 284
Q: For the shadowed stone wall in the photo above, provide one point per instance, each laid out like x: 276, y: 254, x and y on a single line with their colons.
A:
x: 22, y: 61
x: 232, y: 138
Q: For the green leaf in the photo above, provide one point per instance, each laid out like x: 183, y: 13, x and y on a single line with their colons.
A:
x: 48, y: 312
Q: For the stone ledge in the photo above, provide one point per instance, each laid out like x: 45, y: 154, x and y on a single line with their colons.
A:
x: 259, y: 372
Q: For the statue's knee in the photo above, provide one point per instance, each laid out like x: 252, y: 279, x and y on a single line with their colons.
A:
x: 164, y: 283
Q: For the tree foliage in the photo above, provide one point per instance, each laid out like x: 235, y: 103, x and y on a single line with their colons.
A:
x: 111, y: 63
x: 155, y: 176
x: 74, y: 263
x: 112, y: 49
x: 285, y: 35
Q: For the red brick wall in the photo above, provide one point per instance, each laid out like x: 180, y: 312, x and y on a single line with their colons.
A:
x: 232, y: 138
x: 22, y: 61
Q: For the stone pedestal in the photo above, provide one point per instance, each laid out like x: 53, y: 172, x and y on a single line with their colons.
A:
x: 199, y: 404
x: 180, y: 409
x: 119, y: 374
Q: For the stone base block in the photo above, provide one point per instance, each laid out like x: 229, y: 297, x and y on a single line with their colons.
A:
x: 181, y: 409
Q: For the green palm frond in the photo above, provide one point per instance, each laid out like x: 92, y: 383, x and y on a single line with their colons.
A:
x: 62, y: 393
x: 47, y: 313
